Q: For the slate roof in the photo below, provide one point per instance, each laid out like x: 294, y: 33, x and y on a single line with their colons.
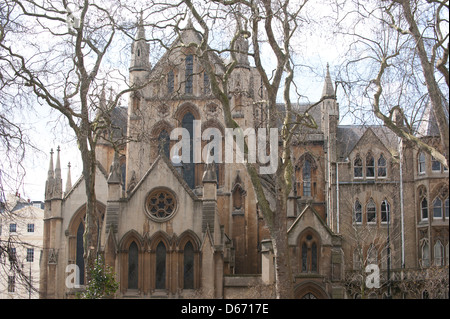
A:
x: 349, y: 135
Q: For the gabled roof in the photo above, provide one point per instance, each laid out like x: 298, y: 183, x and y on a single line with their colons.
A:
x: 348, y: 136
x: 163, y: 159
x: 317, y: 216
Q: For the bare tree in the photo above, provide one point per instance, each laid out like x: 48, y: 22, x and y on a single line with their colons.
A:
x: 67, y: 60
x: 274, y: 23
x: 398, y: 62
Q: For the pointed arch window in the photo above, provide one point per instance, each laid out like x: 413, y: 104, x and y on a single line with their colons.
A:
x: 206, y: 83
x: 382, y: 171
x: 385, y: 211
x: 422, y: 164
x: 189, y: 168
x: 133, y: 266
x: 164, y: 143
x: 357, y: 167
x: 307, y: 178
x: 438, y: 253
x: 160, y: 278
x: 370, y: 166
x: 170, y: 81
x: 371, y: 211
x: 189, y: 80
x: 358, y: 212
x: 309, y: 254
x: 188, y: 266
x: 79, y: 259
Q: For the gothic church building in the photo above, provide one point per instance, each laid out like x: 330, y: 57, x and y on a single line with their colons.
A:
x: 193, y: 230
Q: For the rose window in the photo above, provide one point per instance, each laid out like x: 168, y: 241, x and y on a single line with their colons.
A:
x: 161, y: 205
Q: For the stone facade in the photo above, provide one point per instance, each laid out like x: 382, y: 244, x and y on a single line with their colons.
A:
x: 194, y: 230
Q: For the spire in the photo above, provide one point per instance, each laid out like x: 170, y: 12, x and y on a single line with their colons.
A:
x: 141, y: 29
x: 57, y: 193
x: 69, y: 179
x: 49, y: 184
x: 328, y: 90
x: 58, y: 164
x: 50, y: 166
x: 140, y: 49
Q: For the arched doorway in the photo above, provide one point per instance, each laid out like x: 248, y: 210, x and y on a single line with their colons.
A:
x: 310, y: 290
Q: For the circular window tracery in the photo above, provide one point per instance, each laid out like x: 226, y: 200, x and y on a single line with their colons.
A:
x: 161, y: 205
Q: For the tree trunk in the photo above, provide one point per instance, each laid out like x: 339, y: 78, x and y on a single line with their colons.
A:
x: 91, y: 233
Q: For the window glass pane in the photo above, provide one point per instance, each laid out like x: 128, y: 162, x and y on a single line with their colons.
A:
x: 358, y: 212
x: 188, y: 266
x: 435, y: 165
x: 307, y: 179
x: 189, y: 74
x: 164, y: 143
x: 133, y: 266
x: 170, y: 82
x: 385, y: 211
x: 30, y: 254
x: 381, y: 166
x: 357, y: 167
x: 189, y: 168
x: 421, y: 163
x: 437, y: 208
x: 424, y: 207
x: 314, y: 257
x: 371, y: 212
x: 161, y: 266
x: 304, y: 257
x: 370, y: 166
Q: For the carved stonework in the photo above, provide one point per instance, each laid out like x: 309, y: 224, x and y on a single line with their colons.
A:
x: 163, y: 110
x: 53, y: 256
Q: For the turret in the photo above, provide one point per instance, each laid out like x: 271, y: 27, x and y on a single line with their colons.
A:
x: 140, y: 50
